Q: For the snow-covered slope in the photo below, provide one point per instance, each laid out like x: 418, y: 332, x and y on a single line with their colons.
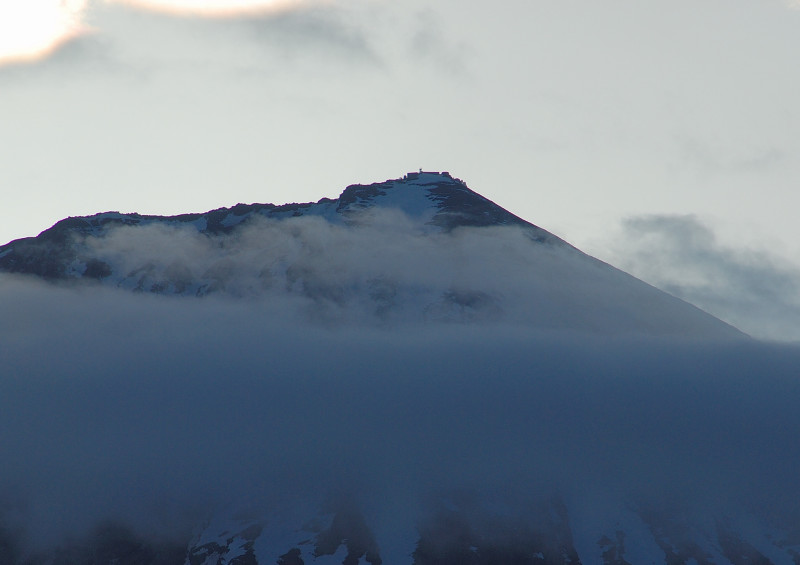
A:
x: 457, y: 530
x: 420, y: 248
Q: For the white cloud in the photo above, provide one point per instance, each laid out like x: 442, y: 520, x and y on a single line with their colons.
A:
x: 213, y: 8
x: 31, y: 29
x: 754, y: 289
x: 386, y: 272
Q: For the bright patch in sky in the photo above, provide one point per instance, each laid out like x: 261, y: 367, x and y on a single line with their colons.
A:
x: 211, y: 7
x: 30, y: 29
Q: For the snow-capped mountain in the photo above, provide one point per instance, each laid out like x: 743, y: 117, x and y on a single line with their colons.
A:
x: 351, y: 258
x: 435, y: 200
x: 406, y: 375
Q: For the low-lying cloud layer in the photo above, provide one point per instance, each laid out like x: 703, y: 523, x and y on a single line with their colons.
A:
x: 386, y: 269
x: 151, y: 410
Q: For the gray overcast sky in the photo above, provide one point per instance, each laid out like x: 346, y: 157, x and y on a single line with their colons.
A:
x: 573, y: 114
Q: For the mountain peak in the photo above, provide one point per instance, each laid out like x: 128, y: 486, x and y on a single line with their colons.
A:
x: 350, y: 262
x: 437, y: 199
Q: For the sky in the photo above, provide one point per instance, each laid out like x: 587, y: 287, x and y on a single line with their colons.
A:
x: 586, y: 118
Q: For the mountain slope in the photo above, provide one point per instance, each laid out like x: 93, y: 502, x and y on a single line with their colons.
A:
x: 421, y: 248
x: 436, y: 200
x: 466, y: 530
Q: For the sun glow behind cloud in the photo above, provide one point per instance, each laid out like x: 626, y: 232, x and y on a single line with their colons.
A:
x: 212, y: 8
x: 31, y: 29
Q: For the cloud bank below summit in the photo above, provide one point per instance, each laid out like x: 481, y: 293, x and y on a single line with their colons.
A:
x: 386, y: 268
x: 149, y: 409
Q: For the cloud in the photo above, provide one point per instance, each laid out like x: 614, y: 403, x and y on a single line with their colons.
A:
x: 755, y: 290
x: 215, y: 8
x: 715, y: 157
x: 33, y: 29
x: 383, y: 269
x: 288, y: 26
x: 135, y: 34
x: 90, y: 54
x: 152, y: 410
x: 321, y: 30
x: 429, y: 43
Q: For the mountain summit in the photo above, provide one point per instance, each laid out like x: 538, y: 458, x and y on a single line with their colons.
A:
x: 434, y: 199
x: 424, y: 247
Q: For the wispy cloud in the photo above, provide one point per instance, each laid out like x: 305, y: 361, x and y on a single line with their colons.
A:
x: 215, y: 8
x: 321, y: 31
x: 287, y: 26
x: 87, y: 55
x: 430, y: 43
x: 755, y: 290
x: 713, y: 157
x: 385, y: 271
